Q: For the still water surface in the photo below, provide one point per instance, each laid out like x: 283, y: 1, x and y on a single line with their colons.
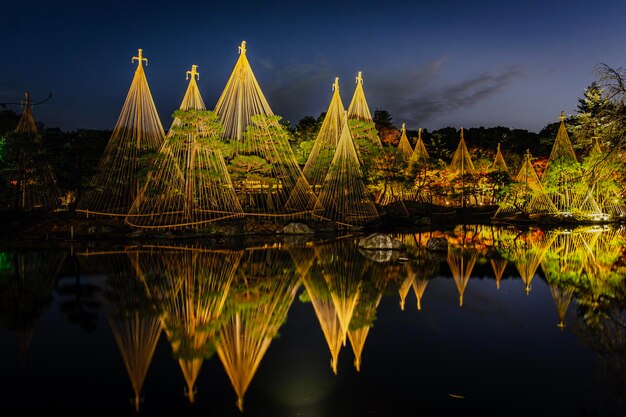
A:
x: 508, y: 322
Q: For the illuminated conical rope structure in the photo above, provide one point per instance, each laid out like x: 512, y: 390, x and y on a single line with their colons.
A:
x: 29, y: 178
x: 264, y: 170
x: 264, y: 289
x: 132, y: 316
x: 137, y: 133
x: 319, y: 160
x: 499, y: 164
x: 461, y: 160
x: 241, y: 99
x: 528, y: 189
x: 192, y: 292
x: 189, y: 185
x: 344, y: 198
x: 563, y: 181
x: 358, y: 108
x: 604, y: 167
x: 420, y: 154
x: 404, y: 146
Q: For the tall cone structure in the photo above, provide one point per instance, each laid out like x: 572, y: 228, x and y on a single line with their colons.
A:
x: 344, y: 198
x: 265, y: 287
x: 530, y: 190
x: 132, y: 316
x: 137, y: 133
x: 264, y: 169
x: 499, y: 165
x: 29, y: 178
x: 562, y: 178
x: 189, y: 185
x: 241, y: 99
x: 319, y: 160
x: 461, y: 160
x: 404, y: 146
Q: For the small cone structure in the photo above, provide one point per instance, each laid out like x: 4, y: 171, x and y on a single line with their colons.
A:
x: 404, y: 146
x: 29, y: 178
x: 499, y: 165
x: 461, y: 161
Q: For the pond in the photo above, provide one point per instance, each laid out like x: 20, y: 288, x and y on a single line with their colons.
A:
x: 507, y: 322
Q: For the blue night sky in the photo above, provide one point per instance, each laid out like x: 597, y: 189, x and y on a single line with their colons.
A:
x: 431, y: 64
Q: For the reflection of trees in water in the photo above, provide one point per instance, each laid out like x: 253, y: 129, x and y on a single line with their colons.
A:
x: 27, y: 281
x: 263, y: 289
x: 132, y: 316
x: 191, y: 287
x: 587, y: 265
x: 317, y: 291
x: 418, y: 270
x: 79, y: 301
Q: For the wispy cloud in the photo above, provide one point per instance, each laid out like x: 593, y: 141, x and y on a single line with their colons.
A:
x: 294, y: 91
x: 411, y: 98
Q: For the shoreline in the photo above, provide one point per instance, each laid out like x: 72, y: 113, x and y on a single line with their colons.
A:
x: 71, y: 228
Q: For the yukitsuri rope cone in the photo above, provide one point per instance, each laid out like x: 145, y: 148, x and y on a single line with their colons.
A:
x: 499, y: 165
x: 264, y: 170
x: 419, y: 158
x: 343, y: 197
x: 264, y: 288
x: 325, y: 144
x: 359, y: 110
x: 192, y: 290
x: 461, y: 160
x: 241, y: 99
x: 603, y: 170
x: 420, y: 154
x: 528, y: 189
x: 132, y: 316
x: 396, y: 191
x: 565, y: 186
x: 189, y: 185
x: 137, y: 133
x: 404, y: 146
x: 31, y: 181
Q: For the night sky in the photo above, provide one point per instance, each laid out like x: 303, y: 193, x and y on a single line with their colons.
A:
x: 431, y: 64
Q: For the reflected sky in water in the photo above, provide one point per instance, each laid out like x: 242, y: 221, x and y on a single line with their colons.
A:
x: 506, y: 322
